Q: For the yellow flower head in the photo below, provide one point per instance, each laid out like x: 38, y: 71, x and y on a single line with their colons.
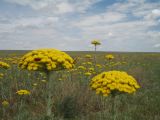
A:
x: 23, y: 92
x: 4, y: 65
x: 35, y: 84
x: 107, y: 82
x: 1, y: 75
x: 95, y: 42
x: 5, y: 103
x: 88, y: 56
x: 88, y: 74
x: 44, y: 81
x: 109, y: 57
x: 91, y: 69
x: 98, y: 65
x: 46, y: 59
x: 81, y: 68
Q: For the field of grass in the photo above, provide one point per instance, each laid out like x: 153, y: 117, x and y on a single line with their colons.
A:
x: 72, y: 97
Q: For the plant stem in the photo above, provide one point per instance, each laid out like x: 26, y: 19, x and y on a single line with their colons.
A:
x: 95, y: 57
x: 49, y: 96
x: 95, y: 48
x: 113, y: 107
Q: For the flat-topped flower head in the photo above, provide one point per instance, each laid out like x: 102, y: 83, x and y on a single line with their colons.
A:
x: 4, y: 65
x: 95, y: 42
x: 88, y: 56
x: 46, y: 59
x: 23, y: 92
x: 109, y: 56
x: 109, y: 82
x: 5, y: 103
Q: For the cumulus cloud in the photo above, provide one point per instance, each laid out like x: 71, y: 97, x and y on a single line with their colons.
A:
x: 131, y: 25
x: 56, y: 6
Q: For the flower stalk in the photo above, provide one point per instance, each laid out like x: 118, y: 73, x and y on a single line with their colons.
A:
x: 49, y: 95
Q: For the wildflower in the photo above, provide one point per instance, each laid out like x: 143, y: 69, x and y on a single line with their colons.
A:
x: 88, y: 74
x: 95, y: 42
x: 108, y: 82
x: 5, y: 103
x: 91, y: 69
x: 44, y: 81
x: 23, y: 92
x: 88, y: 56
x: 89, y: 63
x: 1, y: 75
x: 81, y: 68
x: 46, y: 59
x: 4, y: 65
x: 109, y: 57
x: 60, y: 79
x: 35, y: 84
x: 98, y: 65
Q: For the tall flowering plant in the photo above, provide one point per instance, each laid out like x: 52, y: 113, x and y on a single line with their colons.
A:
x: 48, y: 61
x: 113, y: 83
x: 95, y: 43
x: 4, y: 65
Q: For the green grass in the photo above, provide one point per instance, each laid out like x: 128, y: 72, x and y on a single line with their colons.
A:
x: 72, y: 98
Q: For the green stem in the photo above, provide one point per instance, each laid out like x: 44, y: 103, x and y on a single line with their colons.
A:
x: 113, y: 107
x: 20, y: 107
x: 49, y: 96
x: 95, y: 57
x: 95, y: 48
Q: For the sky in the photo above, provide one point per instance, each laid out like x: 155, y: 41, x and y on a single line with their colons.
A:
x: 71, y: 25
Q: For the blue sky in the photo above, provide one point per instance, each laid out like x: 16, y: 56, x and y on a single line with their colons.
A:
x: 120, y: 25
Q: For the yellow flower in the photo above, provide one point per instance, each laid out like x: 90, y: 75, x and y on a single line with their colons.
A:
x: 89, y: 63
x: 88, y: 74
x: 91, y: 69
x: 44, y: 81
x: 46, y: 59
x: 4, y: 65
x: 95, y: 42
x: 81, y: 68
x: 35, y: 84
x: 60, y: 79
x: 98, y: 65
x: 109, y: 57
x: 5, y: 103
x: 88, y: 56
x: 1, y: 75
x: 23, y: 92
x: 107, y: 82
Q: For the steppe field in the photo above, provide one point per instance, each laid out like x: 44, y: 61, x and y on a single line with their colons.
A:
x: 70, y: 90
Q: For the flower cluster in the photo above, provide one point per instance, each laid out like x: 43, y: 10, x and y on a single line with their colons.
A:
x: 88, y: 56
x: 46, y: 59
x: 81, y: 67
x: 109, y: 57
x: 107, y: 82
x: 95, y: 42
x: 1, y: 75
x: 5, y: 103
x: 4, y: 65
x: 23, y: 92
x: 87, y: 74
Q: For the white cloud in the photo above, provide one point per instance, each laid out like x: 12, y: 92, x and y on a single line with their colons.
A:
x: 56, y: 6
x: 36, y: 21
x: 124, y: 26
x: 65, y: 7
x: 157, y: 45
x: 103, y: 18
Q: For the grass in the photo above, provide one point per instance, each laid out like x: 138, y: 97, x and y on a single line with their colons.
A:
x: 72, y: 98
